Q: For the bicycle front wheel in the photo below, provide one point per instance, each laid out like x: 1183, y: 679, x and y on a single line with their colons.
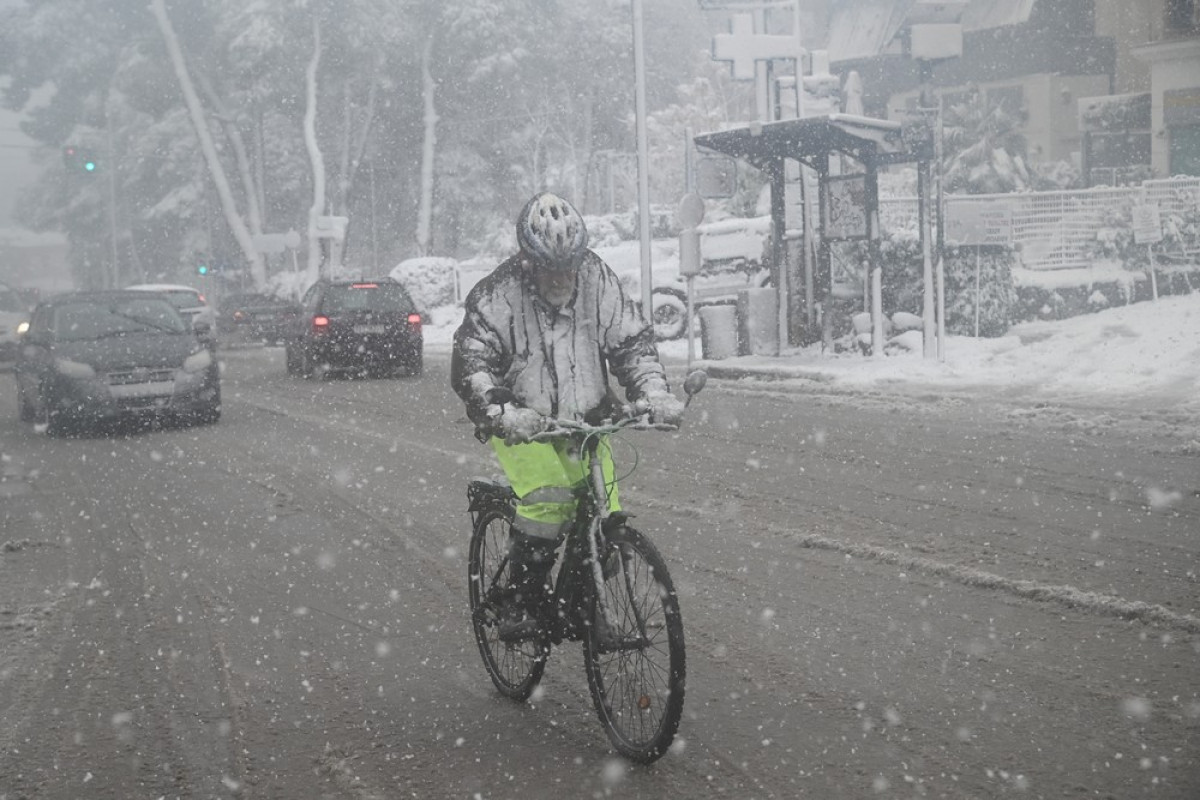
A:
x: 515, y: 668
x: 635, y: 657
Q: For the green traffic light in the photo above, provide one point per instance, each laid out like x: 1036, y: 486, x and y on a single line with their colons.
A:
x: 202, y: 269
x: 90, y: 166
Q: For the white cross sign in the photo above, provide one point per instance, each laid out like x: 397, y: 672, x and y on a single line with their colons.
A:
x: 743, y: 47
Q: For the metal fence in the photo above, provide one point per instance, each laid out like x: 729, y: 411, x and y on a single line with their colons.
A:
x: 1052, y: 230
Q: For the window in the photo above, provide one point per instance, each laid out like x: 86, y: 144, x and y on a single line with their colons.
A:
x: 183, y: 299
x: 1182, y: 16
x: 376, y: 297
x: 1185, y: 150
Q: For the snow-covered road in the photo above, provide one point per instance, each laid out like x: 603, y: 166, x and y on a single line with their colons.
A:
x: 882, y: 594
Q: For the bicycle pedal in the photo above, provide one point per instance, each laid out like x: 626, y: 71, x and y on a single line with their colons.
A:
x: 520, y: 632
x: 618, y: 644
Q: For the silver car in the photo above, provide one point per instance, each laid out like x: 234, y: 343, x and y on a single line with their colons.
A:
x: 190, y: 302
x: 14, y: 314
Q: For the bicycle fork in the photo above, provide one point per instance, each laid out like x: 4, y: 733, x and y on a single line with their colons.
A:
x: 601, y: 514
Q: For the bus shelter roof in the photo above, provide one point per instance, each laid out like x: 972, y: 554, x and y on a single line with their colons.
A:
x: 864, y: 138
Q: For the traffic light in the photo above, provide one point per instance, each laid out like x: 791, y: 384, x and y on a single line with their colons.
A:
x: 79, y: 159
x: 202, y: 269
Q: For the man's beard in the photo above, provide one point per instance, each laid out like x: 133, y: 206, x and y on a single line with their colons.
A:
x: 556, y: 288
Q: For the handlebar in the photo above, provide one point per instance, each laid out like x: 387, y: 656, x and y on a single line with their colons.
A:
x: 631, y: 418
x: 562, y: 428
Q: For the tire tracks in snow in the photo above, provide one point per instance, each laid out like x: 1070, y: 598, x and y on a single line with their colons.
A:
x: 1060, y: 594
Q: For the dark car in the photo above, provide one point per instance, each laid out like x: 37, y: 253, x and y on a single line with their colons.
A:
x: 365, y: 326
x: 256, y: 316
x: 94, y: 356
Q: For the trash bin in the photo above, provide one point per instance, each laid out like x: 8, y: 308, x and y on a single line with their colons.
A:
x: 718, y: 331
x: 758, y: 322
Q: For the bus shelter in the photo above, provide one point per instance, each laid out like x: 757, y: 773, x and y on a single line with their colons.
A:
x: 846, y: 152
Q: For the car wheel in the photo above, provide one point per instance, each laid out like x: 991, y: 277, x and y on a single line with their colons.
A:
x: 409, y: 367
x: 44, y: 419
x: 669, y: 316
x: 304, y: 365
x: 24, y: 407
x: 209, y: 414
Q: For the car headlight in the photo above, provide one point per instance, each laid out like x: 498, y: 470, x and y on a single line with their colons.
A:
x: 22, y: 327
x: 200, y: 360
x: 73, y: 369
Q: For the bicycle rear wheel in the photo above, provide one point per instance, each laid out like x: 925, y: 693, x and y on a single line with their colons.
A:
x: 635, y: 662
x: 516, y: 667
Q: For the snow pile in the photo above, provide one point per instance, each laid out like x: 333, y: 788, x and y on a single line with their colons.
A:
x: 1146, y: 355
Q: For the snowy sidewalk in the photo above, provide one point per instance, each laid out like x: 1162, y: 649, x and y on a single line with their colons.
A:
x: 1145, y: 356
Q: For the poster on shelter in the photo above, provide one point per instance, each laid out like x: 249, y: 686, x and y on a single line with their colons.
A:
x: 846, y: 207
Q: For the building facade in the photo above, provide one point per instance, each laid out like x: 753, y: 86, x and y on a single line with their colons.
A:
x: 1051, y: 63
x: 1173, y: 59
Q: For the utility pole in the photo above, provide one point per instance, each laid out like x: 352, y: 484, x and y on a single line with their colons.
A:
x: 112, y: 201
x: 923, y: 190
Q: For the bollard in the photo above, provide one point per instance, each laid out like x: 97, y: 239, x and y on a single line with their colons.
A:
x: 718, y: 331
x: 758, y: 322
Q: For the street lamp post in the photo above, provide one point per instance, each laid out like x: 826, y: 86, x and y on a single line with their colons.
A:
x: 643, y: 156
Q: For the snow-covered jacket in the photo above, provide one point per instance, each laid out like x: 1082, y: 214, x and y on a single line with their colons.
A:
x: 555, y: 360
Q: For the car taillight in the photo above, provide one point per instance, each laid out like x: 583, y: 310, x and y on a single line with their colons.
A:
x: 414, y: 320
x: 320, y: 324
x: 202, y: 300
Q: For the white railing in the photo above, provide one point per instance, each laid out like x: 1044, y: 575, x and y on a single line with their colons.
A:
x: 1053, y: 230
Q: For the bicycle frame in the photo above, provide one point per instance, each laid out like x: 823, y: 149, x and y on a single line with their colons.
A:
x: 591, y: 513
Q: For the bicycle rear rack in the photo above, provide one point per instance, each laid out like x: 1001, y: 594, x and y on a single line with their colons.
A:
x: 484, y: 492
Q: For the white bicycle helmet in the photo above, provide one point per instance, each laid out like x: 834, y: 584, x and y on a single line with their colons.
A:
x: 551, y: 232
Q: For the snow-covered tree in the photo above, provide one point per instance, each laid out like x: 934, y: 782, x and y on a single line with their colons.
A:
x: 428, y: 121
x: 983, y: 150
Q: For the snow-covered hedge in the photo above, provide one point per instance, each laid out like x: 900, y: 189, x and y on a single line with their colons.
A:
x: 430, y: 280
x: 903, y: 281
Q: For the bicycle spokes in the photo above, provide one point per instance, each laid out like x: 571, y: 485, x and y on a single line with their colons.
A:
x: 515, y: 668
x: 635, y: 660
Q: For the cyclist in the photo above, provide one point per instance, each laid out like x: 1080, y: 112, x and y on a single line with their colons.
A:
x: 550, y: 323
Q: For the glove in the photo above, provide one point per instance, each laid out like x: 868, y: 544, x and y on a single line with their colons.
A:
x: 519, y: 425
x: 664, y: 409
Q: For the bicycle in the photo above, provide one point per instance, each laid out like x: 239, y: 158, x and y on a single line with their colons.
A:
x: 611, y: 589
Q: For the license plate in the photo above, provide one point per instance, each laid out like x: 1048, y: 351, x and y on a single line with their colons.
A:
x: 143, y: 390
x: 368, y: 329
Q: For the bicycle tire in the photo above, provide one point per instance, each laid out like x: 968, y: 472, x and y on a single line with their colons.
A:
x: 515, y: 668
x: 638, y: 684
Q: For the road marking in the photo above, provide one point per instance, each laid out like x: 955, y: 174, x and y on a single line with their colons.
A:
x: 1070, y: 596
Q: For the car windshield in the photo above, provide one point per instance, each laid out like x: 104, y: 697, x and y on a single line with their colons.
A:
x: 181, y: 298
x: 10, y: 301
x: 367, y: 297
x: 248, y: 300
x: 100, y: 319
